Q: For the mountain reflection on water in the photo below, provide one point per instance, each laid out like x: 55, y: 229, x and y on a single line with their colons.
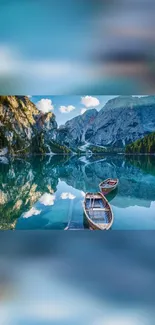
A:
x: 47, y: 192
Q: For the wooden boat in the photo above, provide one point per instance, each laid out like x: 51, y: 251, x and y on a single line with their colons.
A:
x: 108, y: 185
x: 97, y: 211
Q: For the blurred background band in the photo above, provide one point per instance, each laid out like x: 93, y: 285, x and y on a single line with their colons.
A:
x: 77, y: 47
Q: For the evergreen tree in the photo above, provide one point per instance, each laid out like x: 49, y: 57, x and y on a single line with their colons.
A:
x: 145, y: 145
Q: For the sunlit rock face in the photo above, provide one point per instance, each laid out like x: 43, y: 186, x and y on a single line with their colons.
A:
x: 23, y: 128
x: 121, y: 121
x: 46, y: 122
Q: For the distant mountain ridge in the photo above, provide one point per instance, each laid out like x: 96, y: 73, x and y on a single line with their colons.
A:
x: 121, y: 121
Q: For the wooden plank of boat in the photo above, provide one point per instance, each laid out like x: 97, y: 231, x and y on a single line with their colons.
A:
x: 97, y: 211
x: 108, y: 185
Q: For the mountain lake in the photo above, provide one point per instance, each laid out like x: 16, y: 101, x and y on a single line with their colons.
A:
x: 46, y: 192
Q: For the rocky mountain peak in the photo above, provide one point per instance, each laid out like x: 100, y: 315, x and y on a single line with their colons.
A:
x: 23, y: 128
x: 122, y: 120
x: 129, y: 101
x: 76, y: 130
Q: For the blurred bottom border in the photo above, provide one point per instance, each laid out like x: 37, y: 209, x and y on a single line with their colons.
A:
x: 96, y: 278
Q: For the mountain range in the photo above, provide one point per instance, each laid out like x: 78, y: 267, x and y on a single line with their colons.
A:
x: 25, y: 130
x: 121, y: 121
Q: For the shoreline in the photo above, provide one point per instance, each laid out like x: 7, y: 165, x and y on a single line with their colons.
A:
x: 7, y: 155
x: 139, y: 154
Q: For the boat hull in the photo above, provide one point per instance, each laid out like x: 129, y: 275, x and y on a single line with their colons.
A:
x: 107, y: 190
x: 91, y: 223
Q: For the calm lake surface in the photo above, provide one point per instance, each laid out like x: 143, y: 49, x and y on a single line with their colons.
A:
x: 47, y: 192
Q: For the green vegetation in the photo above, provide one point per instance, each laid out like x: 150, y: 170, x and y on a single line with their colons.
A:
x: 57, y: 148
x: 4, y: 100
x: 97, y: 150
x: 3, y: 140
x: 145, y: 145
x: 39, y: 146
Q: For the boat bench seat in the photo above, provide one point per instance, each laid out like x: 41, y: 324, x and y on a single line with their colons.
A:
x: 98, y: 203
x: 107, y: 186
x: 101, y: 209
x: 102, y: 216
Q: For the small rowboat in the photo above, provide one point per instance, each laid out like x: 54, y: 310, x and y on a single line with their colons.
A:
x: 97, y: 211
x: 108, y: 185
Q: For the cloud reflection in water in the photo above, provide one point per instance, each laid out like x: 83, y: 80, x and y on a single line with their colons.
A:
x: 66, y: 195
x: 32, y: 212
x: 47, y: 199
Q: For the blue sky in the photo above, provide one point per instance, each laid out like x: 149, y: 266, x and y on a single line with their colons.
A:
x: 67, y: 107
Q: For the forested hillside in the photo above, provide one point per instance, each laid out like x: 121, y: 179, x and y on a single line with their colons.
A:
x: 145, y: 145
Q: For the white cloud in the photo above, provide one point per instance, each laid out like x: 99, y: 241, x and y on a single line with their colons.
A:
x: 66, y: 109
x: 32, y: 212
x: 83, y: 110
x: 66, y: 195
x: 45, y: 105
x: 47, y: 199
x: 89, y: 101
x: 29, y: 96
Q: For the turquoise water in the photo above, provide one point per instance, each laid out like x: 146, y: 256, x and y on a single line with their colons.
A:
x: 47, y: 192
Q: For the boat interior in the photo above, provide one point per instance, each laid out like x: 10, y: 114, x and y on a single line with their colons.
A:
x: 97, y: 210
x: 108, y: 183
